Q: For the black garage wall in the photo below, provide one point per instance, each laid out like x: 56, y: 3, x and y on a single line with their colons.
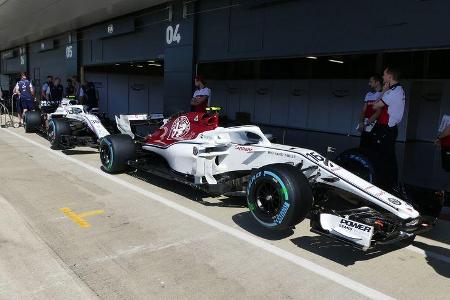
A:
x: 132, y: 38
x: 14, y: 60
x: 54, y: 56
x: 296, y: 28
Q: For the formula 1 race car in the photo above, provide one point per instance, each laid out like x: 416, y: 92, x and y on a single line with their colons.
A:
x: 283, y: 184
x: 66, y: 124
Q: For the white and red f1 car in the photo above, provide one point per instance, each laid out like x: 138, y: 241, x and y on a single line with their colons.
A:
x: 283, y: 184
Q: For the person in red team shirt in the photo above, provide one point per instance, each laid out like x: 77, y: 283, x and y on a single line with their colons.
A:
x: 369, y: 116
x: 202, y: 95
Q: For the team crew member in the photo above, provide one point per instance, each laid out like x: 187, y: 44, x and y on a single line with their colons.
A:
x: 46, y: 88
x: 79, y: 92
x: 90, y: 95
x: 70, y: 89
x: 443, y: 140
x: 55, y: 92
x: 370, y: 115
x: 392, y: 105
x: 25, y: 90
x: 202, y: 96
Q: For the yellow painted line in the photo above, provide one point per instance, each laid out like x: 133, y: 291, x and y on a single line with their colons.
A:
x: 91, y: 213
x: 79, y: 218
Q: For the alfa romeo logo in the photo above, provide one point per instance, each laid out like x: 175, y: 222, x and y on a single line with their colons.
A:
x: 180, y: 127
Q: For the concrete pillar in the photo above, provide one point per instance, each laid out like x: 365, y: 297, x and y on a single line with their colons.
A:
x: 179, y: 60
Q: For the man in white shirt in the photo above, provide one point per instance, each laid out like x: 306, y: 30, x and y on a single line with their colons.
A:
x: 392, y: 102
x: 202, y: 95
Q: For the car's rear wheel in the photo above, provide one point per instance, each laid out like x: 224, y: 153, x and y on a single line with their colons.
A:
x: 32, y: 121
x: 279, y: 196
x: 58, y: 129
x: 116, y: 151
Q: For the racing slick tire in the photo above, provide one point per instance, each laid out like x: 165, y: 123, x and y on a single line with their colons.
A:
x: 116, y: 151
x: 32, y: 121
x: 279, y: 196
x: 360, y: 162
x: 56, y: 129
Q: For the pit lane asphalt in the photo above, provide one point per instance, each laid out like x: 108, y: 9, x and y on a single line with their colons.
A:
x: 143, y: 248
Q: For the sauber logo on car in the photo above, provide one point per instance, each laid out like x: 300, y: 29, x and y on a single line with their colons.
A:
x: 350, y: 225
x: 180, y: 127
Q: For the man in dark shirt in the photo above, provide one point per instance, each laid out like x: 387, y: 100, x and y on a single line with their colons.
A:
x: 24, y: 88
x: 90, y: 98
x: 70, y: 89
x: 56, y: 92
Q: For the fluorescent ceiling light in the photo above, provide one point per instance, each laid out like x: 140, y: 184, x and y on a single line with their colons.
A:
x: 336, y: 61
x: 150, y: 61
x: 140, y: 66
x: 156, y: 65
x: 117, y: 64
x: 311, y: 57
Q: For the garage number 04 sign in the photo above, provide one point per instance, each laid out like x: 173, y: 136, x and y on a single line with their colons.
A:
x: 173, y: 34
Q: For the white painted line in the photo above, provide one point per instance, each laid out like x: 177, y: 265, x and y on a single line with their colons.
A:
x: 302, y: 262
x: 429, y: 254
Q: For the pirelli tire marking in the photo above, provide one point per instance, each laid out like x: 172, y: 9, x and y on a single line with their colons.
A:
x: 286, y: 205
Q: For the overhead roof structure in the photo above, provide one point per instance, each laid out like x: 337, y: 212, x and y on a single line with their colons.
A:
x: 24, y: 21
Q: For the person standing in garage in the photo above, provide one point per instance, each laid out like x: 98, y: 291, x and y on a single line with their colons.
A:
x: 70, y: 89
x: 369, y: 115
x: 55, y: 92
x: 90, y: 95
x: 202, y: 95
x: 79, y: 92
x: 25, y: 90
x: 392, y: 106
x: 45, y: 90
x: 443, y: 141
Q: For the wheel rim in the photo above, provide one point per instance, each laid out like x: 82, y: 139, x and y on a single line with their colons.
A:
x: 105, y: 156
x: 268, y: 199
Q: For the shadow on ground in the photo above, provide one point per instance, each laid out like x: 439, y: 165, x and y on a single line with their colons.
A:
x: 440, y: 233
x: 189, y: 192
x: 246, y: 221
x: 340, y: 252
x: 79, y: 152
x: 437, y: 257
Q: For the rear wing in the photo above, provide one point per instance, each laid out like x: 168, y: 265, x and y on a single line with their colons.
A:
x: 127, y: 123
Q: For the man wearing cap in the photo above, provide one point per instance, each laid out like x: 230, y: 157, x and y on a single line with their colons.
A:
x: 202, y: 96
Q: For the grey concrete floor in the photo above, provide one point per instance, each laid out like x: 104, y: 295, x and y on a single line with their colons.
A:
x: 150, y: 238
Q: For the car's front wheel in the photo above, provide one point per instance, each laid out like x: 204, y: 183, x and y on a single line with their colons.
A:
x: 279, y: 196
x: 57, y: 130
x: 116, y: 151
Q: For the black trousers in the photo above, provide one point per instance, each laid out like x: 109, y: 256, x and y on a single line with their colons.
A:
x: 385, y: 139
x: 445, y: 156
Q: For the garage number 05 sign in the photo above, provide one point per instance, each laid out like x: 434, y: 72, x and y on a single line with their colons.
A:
x: 173, y: 34
x: 69, y: 52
